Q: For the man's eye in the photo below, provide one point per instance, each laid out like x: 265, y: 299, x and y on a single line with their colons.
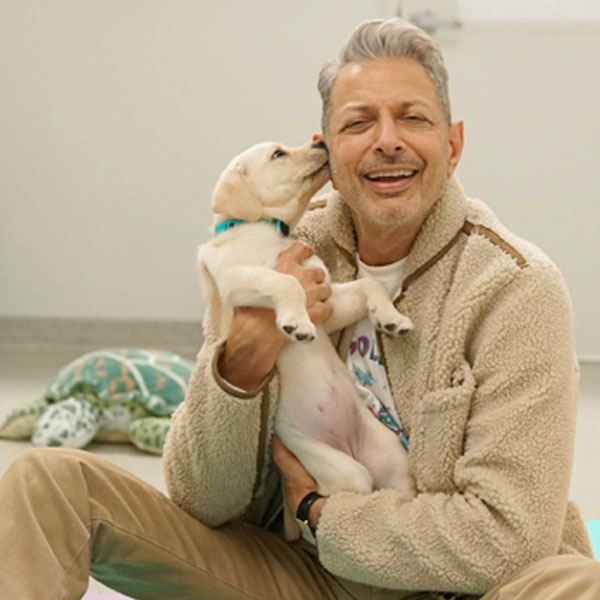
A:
x: 354, y: 124
x: 415, y: 118
x: 278, y: 154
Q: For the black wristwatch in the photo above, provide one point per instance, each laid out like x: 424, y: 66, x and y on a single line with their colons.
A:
x: 308, y: 533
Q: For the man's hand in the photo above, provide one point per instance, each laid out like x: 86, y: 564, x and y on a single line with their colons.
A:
x: 312, y: 280
x: 254, y: 340
x: 297, y: 482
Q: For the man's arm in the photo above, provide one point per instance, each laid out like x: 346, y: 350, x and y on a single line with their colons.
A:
x: 297, y: 481
x: 211, y: 452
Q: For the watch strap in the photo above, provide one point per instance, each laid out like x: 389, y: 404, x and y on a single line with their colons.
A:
x: 305, y: 504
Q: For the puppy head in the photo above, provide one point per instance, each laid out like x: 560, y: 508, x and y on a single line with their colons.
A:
x: 270, y: 181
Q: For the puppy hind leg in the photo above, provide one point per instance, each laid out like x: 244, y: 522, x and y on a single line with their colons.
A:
x: 332, y: 469
x: 384, y: 456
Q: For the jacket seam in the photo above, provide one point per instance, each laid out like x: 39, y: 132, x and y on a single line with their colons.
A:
x: 427, y: 265
x: 262, y: 440
x: 469, y: 228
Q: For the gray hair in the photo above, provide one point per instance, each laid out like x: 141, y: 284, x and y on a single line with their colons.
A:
x: 392, y: 38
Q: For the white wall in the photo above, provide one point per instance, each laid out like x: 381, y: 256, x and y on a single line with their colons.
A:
x: 530, y: 98
x: 116, y: 117
x: 537, y: 11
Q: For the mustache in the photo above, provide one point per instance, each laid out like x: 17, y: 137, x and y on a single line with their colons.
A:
x: 391, y: 161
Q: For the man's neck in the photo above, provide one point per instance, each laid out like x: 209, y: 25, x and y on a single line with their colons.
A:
x: 379, y: 245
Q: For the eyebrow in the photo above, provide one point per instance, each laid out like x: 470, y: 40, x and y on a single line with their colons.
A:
x: 361, y: 107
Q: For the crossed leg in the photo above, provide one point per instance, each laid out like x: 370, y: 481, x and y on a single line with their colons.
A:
x: 67, y: 513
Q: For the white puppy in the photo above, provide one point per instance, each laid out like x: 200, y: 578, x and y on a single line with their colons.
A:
x: 321, y: 416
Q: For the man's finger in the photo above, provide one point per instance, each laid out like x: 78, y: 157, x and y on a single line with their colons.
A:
x: 324, y: 291
x: 319, y: 275
x: 299, y: 252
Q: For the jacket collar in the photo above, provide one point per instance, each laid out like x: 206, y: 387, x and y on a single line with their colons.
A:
x: 437, y: 234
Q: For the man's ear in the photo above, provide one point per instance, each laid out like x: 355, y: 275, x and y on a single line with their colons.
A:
x: 320, y: 137
x: 457, y: 141
x: 236, y: 196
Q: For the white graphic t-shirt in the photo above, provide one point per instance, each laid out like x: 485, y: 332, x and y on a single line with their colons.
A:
x: 364, y: 359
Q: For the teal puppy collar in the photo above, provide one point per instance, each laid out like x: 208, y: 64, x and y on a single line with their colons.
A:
x: 279, y: 225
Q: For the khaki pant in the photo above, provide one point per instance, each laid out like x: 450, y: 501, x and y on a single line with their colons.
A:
x: 67, y: 513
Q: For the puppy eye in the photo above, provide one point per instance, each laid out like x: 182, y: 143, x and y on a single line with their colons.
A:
x: 278, y: 154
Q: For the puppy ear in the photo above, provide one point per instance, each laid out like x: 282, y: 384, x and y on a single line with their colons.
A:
x: 236, y: 196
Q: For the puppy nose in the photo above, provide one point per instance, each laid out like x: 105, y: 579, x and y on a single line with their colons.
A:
x: 320, y: 145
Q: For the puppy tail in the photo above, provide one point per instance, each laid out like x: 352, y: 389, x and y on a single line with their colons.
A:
x: 220, y: 314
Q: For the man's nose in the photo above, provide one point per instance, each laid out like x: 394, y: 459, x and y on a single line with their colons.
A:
x: 388, y: 137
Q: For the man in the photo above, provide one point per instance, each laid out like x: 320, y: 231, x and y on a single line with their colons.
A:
x: 484, y: 389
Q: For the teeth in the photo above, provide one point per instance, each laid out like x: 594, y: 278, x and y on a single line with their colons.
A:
x: 399, y: 173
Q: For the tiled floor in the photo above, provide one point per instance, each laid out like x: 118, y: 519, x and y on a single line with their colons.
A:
x: 24, y: 376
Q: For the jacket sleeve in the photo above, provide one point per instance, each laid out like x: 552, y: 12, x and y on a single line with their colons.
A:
x: 497, y: 445
x: 216, y: 444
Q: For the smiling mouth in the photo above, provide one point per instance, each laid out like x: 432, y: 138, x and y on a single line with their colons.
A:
x: 391, y: 177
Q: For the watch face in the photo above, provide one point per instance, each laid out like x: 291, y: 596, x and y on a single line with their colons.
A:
x: 305, y: 504
x: 306, y: 531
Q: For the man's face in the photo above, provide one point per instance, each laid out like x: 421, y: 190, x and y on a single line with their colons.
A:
x: 390, y: 147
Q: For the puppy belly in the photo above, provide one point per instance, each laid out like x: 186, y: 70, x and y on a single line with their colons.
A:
x: 319, y: 399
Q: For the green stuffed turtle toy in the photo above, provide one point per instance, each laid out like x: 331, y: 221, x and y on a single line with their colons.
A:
x: 108, y: 396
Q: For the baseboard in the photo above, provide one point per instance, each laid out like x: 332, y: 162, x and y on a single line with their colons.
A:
x: 38, y: 334
x: 183, y: 337
x: 589, y: 382
x: 589, y: 359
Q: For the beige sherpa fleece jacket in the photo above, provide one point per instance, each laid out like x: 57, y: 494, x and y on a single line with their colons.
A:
x: 485, y: 384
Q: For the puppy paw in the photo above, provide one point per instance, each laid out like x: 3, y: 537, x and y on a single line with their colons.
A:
x: 390, y: 322
x: 297, y: 330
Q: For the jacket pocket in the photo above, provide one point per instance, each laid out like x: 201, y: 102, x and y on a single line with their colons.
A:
x: 437, y: 441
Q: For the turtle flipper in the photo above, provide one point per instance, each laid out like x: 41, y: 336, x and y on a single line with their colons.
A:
x: 69, y: 423
x: 149, y: 434
x: 20, y: 422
